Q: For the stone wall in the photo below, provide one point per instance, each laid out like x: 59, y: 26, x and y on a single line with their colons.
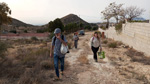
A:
x: 136, y: 35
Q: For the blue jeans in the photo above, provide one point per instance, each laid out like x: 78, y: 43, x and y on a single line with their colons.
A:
x: 56, y: 59
x: 76, y: 43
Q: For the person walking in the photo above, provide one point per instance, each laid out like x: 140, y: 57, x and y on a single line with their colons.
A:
x: 57, y: 40
x: 95, y: 45
x: 75, y: 38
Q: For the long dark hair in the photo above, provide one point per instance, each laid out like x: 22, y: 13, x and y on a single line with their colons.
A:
x: 97, y: 35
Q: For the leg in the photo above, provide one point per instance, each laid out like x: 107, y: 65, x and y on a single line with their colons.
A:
x: 62, y: 63
x: 95, y: 52
x: 93, y: 49
x: 56, y: 65
x: 76, y: 43
x: 96, y: 49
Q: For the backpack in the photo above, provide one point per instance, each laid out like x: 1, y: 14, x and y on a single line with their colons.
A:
x: 62, y: 37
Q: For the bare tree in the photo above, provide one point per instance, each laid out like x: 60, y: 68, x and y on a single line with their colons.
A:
x: 107, y: 15
x: 113, y: 10
x: 116, y: 10
x: 133, y: 11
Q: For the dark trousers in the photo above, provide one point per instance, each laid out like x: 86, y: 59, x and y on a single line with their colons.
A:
x: 56, y: 59
x: 76, y: 43
x: 95, y: 52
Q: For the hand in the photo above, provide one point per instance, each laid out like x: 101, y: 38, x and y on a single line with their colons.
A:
x: 58, y: 37
x: 100, y: 49
x: 51, y: 55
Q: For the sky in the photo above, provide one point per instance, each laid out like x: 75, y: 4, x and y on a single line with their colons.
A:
x: 39, y: 12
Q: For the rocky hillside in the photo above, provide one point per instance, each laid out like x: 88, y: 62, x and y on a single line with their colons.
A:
x: 19, y: 23
x: 72, y: 18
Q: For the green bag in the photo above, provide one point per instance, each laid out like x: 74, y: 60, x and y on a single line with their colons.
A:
x: 101, y: 55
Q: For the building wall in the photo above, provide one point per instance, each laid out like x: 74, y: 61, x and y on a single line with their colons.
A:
x: 136, y: 35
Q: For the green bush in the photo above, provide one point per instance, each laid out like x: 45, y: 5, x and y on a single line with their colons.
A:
x: 105, y: 41
x: 103, y: 27
x: 88, y: 27
x: 51, y: 35
x: 95, y: 28
x: 34, y: 38
x: 41, y: 30
x: 3, y: 49
x: 112, y: 45
x: 13, y: 31
x: 25, y: 31
x: 118, y: 27
x: 55, y: 24
x: 72, y: 27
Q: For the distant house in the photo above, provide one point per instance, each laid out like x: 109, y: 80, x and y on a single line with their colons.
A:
x: 138, y: 19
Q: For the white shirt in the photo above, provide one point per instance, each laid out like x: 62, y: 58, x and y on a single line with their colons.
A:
x: 95, y: 42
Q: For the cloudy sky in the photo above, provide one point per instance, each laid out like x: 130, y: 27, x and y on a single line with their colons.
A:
x: 40, y: 12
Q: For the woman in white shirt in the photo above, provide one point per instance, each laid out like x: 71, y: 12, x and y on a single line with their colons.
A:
x: 95, y: 44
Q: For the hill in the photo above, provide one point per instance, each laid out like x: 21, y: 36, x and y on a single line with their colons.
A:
x: 72, y: 18
x: 19, y: 23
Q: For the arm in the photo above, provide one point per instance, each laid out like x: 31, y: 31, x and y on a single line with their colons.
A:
x: 51, y: 51
x: 63, y: 41
x: 52, y: 47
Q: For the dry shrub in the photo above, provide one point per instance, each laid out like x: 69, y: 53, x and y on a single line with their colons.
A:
x: 9, y: 70
x: 32, y: 76
x: 119, y: 43
x: 70, y: 44
x: 138, y: 56
x: 112, y: 45
x: 3, y: 49
x: 47, y: 64
x: 70, y: 36
x: 105, y: 42
x: 83, y: 58
x: 70, y: 41
x: 3, y: 81
x: 30, y: 67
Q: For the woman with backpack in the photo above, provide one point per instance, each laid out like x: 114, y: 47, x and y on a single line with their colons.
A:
x: 95, y: 44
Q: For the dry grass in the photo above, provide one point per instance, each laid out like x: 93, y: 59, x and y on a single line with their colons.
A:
x: 138, y: 56
x: 112, y: 45
x: 29, y: 66
x: 70, y: 44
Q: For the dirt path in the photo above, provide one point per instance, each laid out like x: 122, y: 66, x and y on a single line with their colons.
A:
x: 93, y: 73
x: 103, y: 72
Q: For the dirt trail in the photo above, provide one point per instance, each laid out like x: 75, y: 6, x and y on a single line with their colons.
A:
x: 101, y: 72
x: 116, y: 68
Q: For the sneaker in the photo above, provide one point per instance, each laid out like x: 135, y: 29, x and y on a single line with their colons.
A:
x: 61, y: 73
x: 56, y: 79
x: 96, y: 61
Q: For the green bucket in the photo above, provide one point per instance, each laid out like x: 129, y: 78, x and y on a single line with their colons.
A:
x: 101, y: 55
